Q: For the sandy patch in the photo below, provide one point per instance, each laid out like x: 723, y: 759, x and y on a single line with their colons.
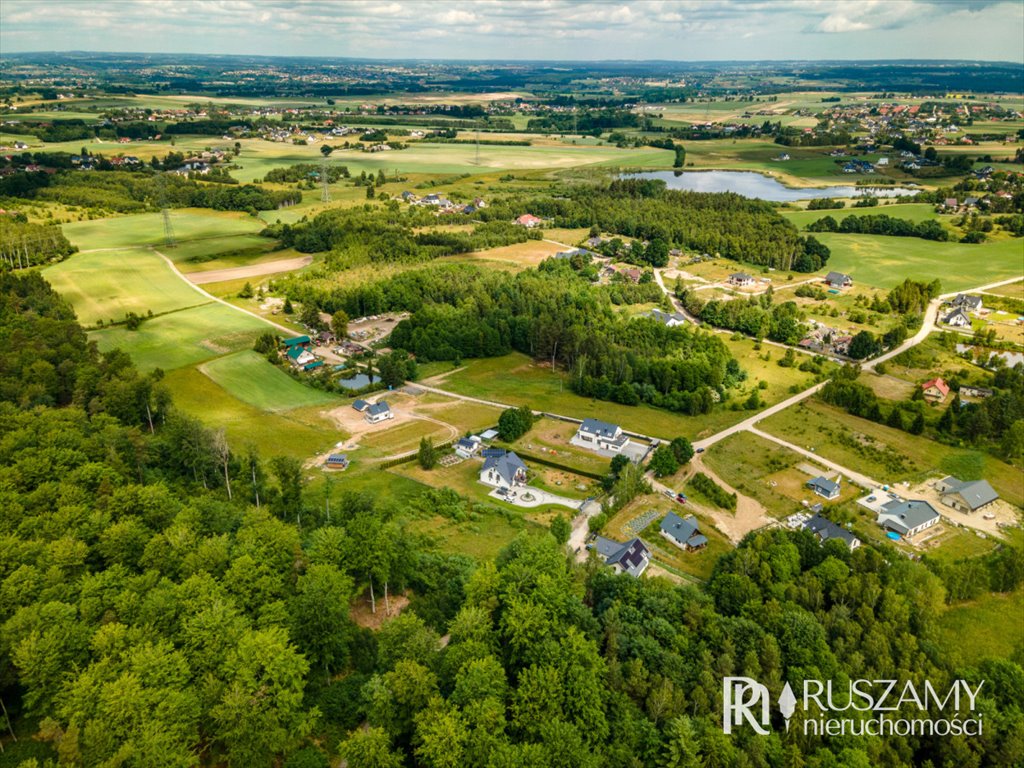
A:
x: 362, y: 613
x: 253, y: 270
x: 990, y: 520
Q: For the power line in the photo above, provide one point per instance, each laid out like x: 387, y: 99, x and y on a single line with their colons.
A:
x: 325, y: 190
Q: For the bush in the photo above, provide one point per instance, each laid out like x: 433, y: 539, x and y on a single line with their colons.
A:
x: 713, y: 492
x: 514, y: 423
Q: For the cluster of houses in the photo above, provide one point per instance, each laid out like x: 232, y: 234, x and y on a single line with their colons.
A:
x: 957, y: 314
x: 299, y: 351
x: 854, y: 165
x: 634, y: 556
x: 442, y: 204
x: 374, y: 413
x: 825, y: 340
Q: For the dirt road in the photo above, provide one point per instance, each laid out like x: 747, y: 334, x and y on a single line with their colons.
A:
x: 253, y: 270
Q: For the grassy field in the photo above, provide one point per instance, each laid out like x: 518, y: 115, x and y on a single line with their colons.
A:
x: 104, y: 285
x: 887, y: 454
x: 183, y: 338
x: 249, y: 377
x: 148, y: 228
x: 913, y: 211
x: 300, y: 432
x: 403, y: 437
x: 517, y: 380
x: 990, y: 626
x: 886, y: 261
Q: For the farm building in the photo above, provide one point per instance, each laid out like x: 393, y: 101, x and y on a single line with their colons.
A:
x: 504, y: 471
x: 824, y: 487
x: 633, y: 557
x: 935, y: 390
x: 824, y: 530
x: 966, y: 496
x: 296, y: 341
x: 600, y: 436
x: 300, y: 357
x: 379, y: 412
x: 907, y: 517
x: 838, y: 280
x: 683, y: 532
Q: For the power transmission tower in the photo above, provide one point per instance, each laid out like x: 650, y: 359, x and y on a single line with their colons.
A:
x: 169, y: 241
x: 325, y: 191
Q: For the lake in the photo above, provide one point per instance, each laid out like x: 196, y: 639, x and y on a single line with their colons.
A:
x: 358, y: 381
x: 751, y: 184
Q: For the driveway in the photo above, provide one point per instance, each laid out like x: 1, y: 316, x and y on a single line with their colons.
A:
x: 538, y: 498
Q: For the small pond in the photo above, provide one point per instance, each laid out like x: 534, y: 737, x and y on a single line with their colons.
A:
x: 358, y: 381
x: 751, y: 184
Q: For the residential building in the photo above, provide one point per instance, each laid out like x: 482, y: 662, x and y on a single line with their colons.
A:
x: 684, y: 532
x: 300, y: 357
x: 529, y: 221
x: 935, y: 390
x: 966, y: 496
x: 671, y: 319
x: 360, y: 405
x: 824, y: 487
x: 633, y: 557
x: 838, y: 280
x: 467, y: 447
x: 379, y: 411
x: 504, y: 471
x: 907, y: 518
x: 336, y: 461
x: 824, y: 530
x: 957, y: 318
x: 967, y: 302
x: 741, y: 279
x: 601, y: 436
x: 979, y: 392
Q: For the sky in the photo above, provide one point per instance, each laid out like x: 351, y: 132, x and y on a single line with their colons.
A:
x: 683, y: 30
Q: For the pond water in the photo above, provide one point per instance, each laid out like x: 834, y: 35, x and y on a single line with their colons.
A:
x: 1011, y: 358
x: 751, y: 184
x: 358, y: 381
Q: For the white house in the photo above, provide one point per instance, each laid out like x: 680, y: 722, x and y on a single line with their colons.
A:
x: 633, y: 557
x: 671, y: 319
x: 504, y: 471
x: 597, y: 435
x: 683, y: 532
x: 907, y: 517
x: 741, y: 279
x: 957, y: 318
x: 379, y: 412
x: 467, y: 447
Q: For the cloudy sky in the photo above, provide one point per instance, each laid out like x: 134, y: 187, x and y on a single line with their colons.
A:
x: 526, y: 29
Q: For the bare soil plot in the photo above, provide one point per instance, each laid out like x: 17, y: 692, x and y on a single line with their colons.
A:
x: 253, y: 270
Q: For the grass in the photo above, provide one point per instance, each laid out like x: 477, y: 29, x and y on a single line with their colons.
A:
x: 886, y: 261
x: 916, y: 212
x: 886, y: 454
x: 299, y: 433
x: 550, y: 438
x: 183, y: 338
x: 148, y: 228
x: 989, y: 627
x: 103, y: 286
x: 253, y: 380
x: 403, y: 437
x: 515, y: 379
x: 748, y: 463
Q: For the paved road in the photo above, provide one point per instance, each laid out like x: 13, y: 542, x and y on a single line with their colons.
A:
x: 749, y: 423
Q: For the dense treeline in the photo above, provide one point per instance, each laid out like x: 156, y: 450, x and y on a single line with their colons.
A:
x: 150, y: 616
x: 24, y: 244
x: 304, y: 172
x: 881, y: 224
x: 128, y: 192
x: 756, y: 316
x: 392, y: 233
x: 730, y: 225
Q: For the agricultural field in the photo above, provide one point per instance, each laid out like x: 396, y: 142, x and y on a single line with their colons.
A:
x: 884, y: 262
x: 104, y: 285
x: 916, y: 212
x: 886, y: 454
x: 249, y: 377
x: 148, y: 228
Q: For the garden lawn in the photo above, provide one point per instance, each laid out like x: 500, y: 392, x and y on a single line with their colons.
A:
x: 184, y: 337
x: 253, y: 380
x: 887, y: 454
x: 103, y: 286
x: 887, y: 261
x: 747, y: 462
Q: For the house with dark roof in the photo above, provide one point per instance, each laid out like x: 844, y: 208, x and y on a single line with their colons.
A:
x: 966, y: 496
x: 684, y: 532
x: 379, y: 411
x: 467, y: 447
x: 824, y: 530
x: 632, y: 557
x: 597, y: 435
x: 957, y: 318
x: 360, y: 405
x: 907, y: 518
x: 741, y: 279
x: 670, y: 319
x: 824, y: 487
x: 838, y: 280
x: 935, y: 390
x: 504, y: 471
x: 967, y: 302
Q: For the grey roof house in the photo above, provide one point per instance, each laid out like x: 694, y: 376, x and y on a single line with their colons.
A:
x: 907, y: 517
x: 966, y: 496
x: 967, y: 302
x: 671, y: 319
x: 838, y: 280
x: 683, y: 532
x: 824, y: 487
x: 505, y: 471
x: 633, y: 557
x: 600, y: 435
x: 824, y: 530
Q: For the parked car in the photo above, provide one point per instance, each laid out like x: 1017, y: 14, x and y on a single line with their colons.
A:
x: 700, y: 450
x: 681, y: 498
